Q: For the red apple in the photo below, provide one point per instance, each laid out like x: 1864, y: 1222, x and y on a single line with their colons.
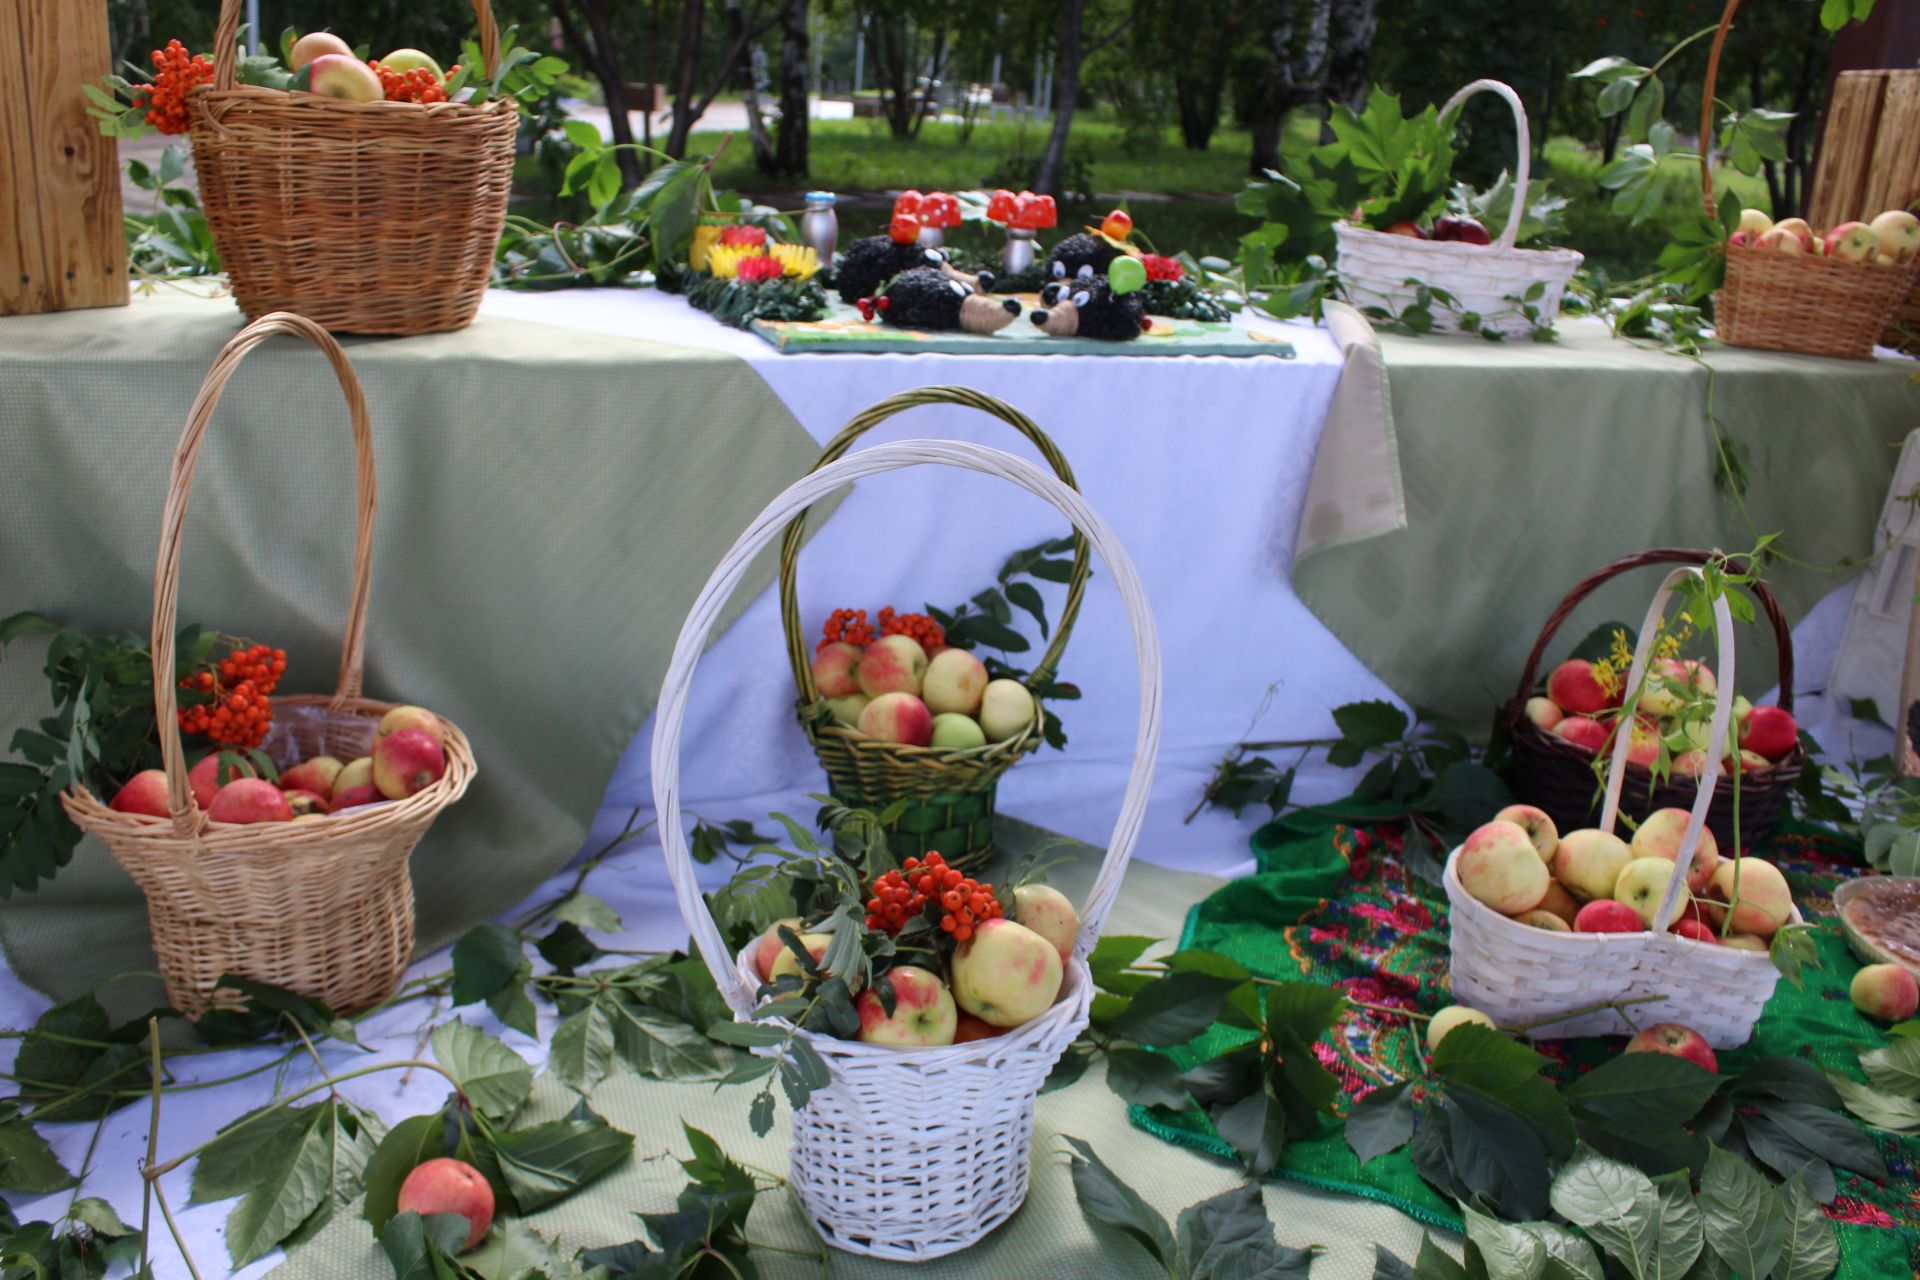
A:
x: 445, y: 1185
x: 335, y: 75
x: 407, y: 761
x: 1499, y: 865
x: 247, y: 800
x: 1007, y: 974
x: 1584, y: 732
x: 835, y: 670
x: 410, y: 718
x: 1852, y: 242
x: 1576, y: 690
x: 897, y: 717
x: 207, y: 777
x: 1458, y: 227
x: 923, y: 1011
x: 892, y: 664
x: 1604, y: 915
x: 1118, y: 225
x: 316, y: 775
x: 1899, y: 234
x: 1405, y: 228
x: 1688, y: 927
x: 145, y: 792
x: 1676, y: 1041
x: 354, y: 797
x: 972, y: 1028
x: 1780, y: 240
x: 1885, y: 991
x: 312, y: 45
x: 305, y: 803
x: 1771, y: 732
x: 769, y: 946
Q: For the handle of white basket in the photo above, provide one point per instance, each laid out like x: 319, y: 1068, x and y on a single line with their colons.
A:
x: 1523, y: 170
x: 1716, y: 730
x: 670, y: 715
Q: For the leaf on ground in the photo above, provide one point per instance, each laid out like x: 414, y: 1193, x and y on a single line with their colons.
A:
x: 485, y: 959
x: 1380, y: 1122
x: 495, y: 1078
x: 582, y: 1050
x: 1740, y: 1214
x: 1615, y: 1204
x: 1508, y: 1252
x: 1108, y: 1201
x: 1174, y: 1009
x: 1496, y: 1154
x: 27, y: 1163
x: 588, y: 912
x: 1809, y: 1249
x: 1230, y: 1237
x: 656, y: 1045
x: 1147, y: 1079
x: 1895, y: 1067
x: 1636, y: 1090
x: 551, y: 1161
x: 289, y: 1190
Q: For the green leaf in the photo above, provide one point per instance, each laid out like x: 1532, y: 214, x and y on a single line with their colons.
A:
x: 1432, y: 1262
x: 1895, y: 1067
x: 582, y: 1050
x: 407, y: 1146
x: 1107, y: 1201
x: 1615, y: 1204
x: 27, y: 1163
x: 424, y: 1248
x: 494, y: 1077
x: 1173, y: 1009
x: 1110, y: 958
x: 1467, y: 794
x: 656, y: 1045
x: 1835, y: 14
x: 1809, y: 1249
x: 1255, y: 1127
x: 1380, y: 1122
x: 1569, y: 1256
x: 1794, y: 1132
x: 45, y: 1061
x: 1641, y: 1090
x: 1888, y: 1111
x: 1371, y: 724
x: 549, y: 1162
x: 1230, y: 1237
x: 1146, y: 1078
x: 27, y: 623
x: 1679, y: 1241
x: 1497, y: 1154
x: 1509, y: 1252
x: 240, y: 1158
x: 1788, y: 1079
x: 1484, y: 1059
x: 582, y: 134
x: 485, y: 959
x: 290, y: 1188
x: 747, y: 1035
x: 1742, y: 1218
x: 583, y: 909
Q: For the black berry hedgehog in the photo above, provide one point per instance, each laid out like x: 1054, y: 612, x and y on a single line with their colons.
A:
x: 1089, y: 308
x: 873, y: 260
x: 925, y: 298
x: 1080, y: 255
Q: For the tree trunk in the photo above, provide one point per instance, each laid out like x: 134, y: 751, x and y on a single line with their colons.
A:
x: 1294, y: 74
x: 893, y: 69
x: 926, y: 103
x: 1066, y: 95
x: 790, y: 152
x: 1351, y: 40
x: 763, y: 158
x: 601, y: 54
x: 693, y: 15
x: 743, y: 28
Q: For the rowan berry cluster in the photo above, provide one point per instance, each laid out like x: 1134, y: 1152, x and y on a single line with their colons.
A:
x: 175, y: 72
x: 930, y: 635
x: 847, y: 626
x: 239, y: 711
x: 416, y: 85
x: 898, y: 896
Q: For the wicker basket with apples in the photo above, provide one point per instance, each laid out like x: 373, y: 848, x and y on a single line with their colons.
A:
x: 876, y: 1170
x: 1562, y: 728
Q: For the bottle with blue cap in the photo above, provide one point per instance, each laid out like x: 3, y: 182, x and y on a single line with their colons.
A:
x: 820, y: 226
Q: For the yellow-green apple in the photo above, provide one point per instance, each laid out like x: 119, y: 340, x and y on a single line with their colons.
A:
x: 1584, y: 732
x: 316, y: 775
x: 1006, y: 974
x: 1898, y: 232
x: 1672, y: 682
x: 1642, y: 884
x: 892, y: 664
x: 1660, y: 835
x: 923, y: 1011
x: 1688, y: 927
x: 1754, y: 221
x: 1693, y: 731
x: 247, y: 800
x: 312, y: 45
x: 1852, y: 242
x: 1771, y: 732
x: 407, y: 761
x: 354, y: 773
x: 1576, y: 690
x: 1006, y: 709
x: 411, y: 718
x: 446, y: 1185
x: 957, y: 732
x: 1047, y: 911
x: 1604, y: 915
x: 1885, y: 991
x: 1675, y: 1041
x: 1758, y: 894
x: 1741, y: 709
x: 1499, y: 865
x: 1745, y: 942
x: 836, y: 670
x: 210, y: 774
x: 145, y: 792
x: 1689, y: 764
x: 846, y: 711
x: 1560, y: 902
x: 1781, y: 240
x: 305, y: 804
x: 1538, y: 826
x: 954, y: 681
x: 1745, y: 762
x: 405, y: 60
x: 1454, y: 1015
x: 1541, y: 918
x: 1643, y: 746
x: 1799, y: 229
x: 767, y: 948
x: 971, y: 1028
x: 337, y: 75
x: 1883, y: 259
x: 897, y: 717
x: 1589, y: 861
x: 354, y: 797
x: 1544, y: 712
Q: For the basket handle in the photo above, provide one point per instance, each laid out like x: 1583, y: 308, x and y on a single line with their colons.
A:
x: 1706, y: 107
x: 166, y: 570
x: 1523, y: 169
x: 1716, y: 729
x: 871, y: 417
x: 1782, y: 633
x: 671, y: 712
x: 226, y: 42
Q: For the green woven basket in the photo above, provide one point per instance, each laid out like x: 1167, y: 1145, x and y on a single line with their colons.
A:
x: 949, y: 793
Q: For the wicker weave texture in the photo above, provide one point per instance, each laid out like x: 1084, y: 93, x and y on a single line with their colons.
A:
x: 323, y: 907
x: 1485, y: 279
x: 877, y: 1172
x: 1519, y: 975
x: 365, y: 217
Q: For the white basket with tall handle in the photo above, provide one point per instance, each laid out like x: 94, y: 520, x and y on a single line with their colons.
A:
x: 1486, y: 279
x: 879, y: 1170
x: 1517, y: 974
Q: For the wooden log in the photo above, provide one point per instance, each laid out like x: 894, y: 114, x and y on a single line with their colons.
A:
x: 62, y: 245
x: 1895, y: 166
x: 1839, y: 187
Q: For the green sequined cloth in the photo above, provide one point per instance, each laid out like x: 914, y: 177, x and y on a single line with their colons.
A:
x: 1333, y: 904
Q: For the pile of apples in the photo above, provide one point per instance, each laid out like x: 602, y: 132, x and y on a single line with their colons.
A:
x: 1006, y: 973
x: 1891, y: 238
x: 1674, y: 1039
x: 1448, y: 227
x: 892, y: 691
x: 1580, y: 709
x: 410, y: 75
x: 408, y: 755
x: 1591, y: 881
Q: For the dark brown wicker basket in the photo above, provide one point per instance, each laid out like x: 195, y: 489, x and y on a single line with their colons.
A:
x: 1557, y: 776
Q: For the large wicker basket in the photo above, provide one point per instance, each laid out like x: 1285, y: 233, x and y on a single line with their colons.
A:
x: 1490, y: 280
x: 323, y: 907
x: 365, y: 217
x: 949, y: 793
x: 876, y: 1172
x: 1523, y: 976
x: 1804, y: 302
x: 1556, y: 775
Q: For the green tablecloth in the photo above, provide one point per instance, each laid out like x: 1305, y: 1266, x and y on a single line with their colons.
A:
x: 1460, y: 492
x: 506, y: 451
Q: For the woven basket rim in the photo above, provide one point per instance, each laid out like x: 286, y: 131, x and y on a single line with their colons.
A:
x: 210, y: 99
x: 1554, y: 256
x: 1782, y: 772
x: 1012, y: 748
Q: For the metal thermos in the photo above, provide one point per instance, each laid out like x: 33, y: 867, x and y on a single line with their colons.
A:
x: 819, y: 226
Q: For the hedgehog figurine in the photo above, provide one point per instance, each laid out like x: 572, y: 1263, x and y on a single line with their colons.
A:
x: 926, y: 298
x: 1079, y: 256
x: 873, y: 260
x: 1090, y: 307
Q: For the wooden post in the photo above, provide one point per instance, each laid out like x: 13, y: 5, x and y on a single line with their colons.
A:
x: 62, y: 245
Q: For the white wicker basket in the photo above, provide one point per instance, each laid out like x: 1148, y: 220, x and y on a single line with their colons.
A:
x: 1375, y: 268
x: 1517, y: 974
x: 877, y: 1172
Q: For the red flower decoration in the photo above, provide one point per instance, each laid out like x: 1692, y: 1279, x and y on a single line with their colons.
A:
x: 756, y: 236
x: 1161, y: 267
x: 753, y: 270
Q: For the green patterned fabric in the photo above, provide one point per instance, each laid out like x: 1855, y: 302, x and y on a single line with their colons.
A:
x: 1333, y: 904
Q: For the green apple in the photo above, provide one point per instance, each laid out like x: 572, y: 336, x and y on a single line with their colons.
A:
x: 1642, y: 884
x: 1452, y: 1016
x: 957, y: 732
x: 405, y: 60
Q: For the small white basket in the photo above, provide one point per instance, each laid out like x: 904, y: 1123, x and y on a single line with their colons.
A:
x: 878, y: 1170
x: 1375, y: 268
x: 1520, y: 975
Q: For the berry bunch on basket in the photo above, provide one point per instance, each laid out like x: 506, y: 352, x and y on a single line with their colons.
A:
x: 944, y: 958
x: 907, y: 685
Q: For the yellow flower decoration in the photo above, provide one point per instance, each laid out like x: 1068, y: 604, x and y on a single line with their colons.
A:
x: 798, y: 260
x: 723, y: 260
